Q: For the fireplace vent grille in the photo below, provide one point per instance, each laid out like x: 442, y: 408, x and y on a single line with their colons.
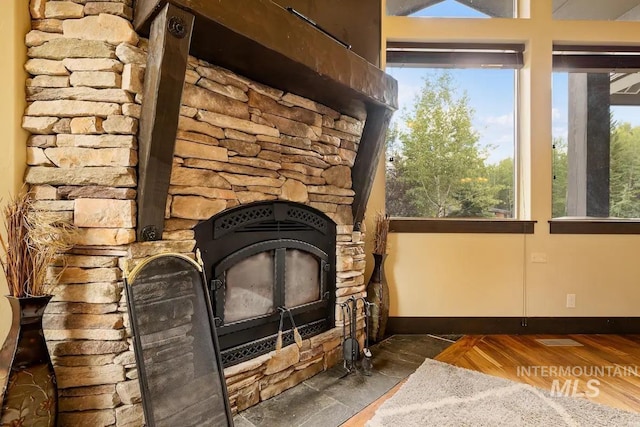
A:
x: 308, y: 218
x: 269, y: 218
x: 275, y: 226
x: 256, y: 348
x: 242, y: 218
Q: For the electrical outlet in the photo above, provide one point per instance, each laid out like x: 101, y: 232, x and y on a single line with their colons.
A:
x: 571, y: 300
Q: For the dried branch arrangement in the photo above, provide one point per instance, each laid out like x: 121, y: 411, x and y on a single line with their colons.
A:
x: 31, y: 242
x: 380, y: 237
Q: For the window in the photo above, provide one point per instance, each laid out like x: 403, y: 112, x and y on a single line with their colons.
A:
x: 545, y: 183
x: 596, y: 132
x: 451, y: 147
x: 589, y: 10
x: 452, y: 8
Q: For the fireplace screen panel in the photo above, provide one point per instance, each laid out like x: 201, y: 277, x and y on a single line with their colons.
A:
x: 302, y: 278
x: 175, y: 342
x: 250, y: 286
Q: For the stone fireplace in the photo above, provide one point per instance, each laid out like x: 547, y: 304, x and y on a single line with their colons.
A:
x: 240, y: 146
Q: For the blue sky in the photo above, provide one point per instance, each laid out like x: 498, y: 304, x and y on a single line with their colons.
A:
x: 490, y: 91
x: 491, y: 94
x: 450, y: 9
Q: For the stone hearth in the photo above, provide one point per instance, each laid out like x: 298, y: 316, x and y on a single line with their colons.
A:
x: 238, y: 141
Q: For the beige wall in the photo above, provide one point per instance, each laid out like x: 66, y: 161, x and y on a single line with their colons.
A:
x: 493, y: 274
x: 489, y: 275
x: 14, y: 24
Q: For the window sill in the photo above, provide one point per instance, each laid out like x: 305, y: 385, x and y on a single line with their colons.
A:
x: 459, y: 225
x: 594, y: 226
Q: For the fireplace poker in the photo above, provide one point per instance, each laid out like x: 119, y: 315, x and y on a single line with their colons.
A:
x: 343, y: 308
x: 350, y: 346
x: 366, y: 363
x: 355, y: 348
x: 346, y: 338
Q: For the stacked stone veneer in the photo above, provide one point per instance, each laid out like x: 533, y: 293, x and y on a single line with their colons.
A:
x: 238, y: 142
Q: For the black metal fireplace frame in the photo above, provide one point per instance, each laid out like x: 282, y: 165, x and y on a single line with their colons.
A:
x: 237, y: 233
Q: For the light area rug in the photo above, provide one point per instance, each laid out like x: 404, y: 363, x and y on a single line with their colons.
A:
x: 439, y: 394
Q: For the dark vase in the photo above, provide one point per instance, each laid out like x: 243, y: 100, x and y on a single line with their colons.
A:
x: 378, y: 294
x: 27, y: 379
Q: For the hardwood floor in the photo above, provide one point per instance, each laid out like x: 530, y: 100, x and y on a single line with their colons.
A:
x: 604, y: 369
x: 610, y: 362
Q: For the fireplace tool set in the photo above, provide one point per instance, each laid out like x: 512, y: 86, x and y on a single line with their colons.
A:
x: 351, y: 346
x: 296, y: 334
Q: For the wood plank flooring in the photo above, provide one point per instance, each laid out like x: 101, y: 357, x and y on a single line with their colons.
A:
x: 522, y: 358
x: 610, y: 362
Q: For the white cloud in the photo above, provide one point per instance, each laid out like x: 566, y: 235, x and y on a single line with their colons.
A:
x: 556, y: 114
x: 502, y: 120
x: 560, y: 132
x: 501, y: 148
x: 505, y: 138
x: 406, y: 97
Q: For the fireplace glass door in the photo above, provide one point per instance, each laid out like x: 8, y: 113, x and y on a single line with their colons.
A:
x: 302, y: 278
x: 250, y: 287
x: 255, y: 282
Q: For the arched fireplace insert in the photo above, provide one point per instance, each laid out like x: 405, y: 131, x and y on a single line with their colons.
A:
x: 262, y: 259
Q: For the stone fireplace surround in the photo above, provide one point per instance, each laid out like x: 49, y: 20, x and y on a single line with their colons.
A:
x: 238, y: 141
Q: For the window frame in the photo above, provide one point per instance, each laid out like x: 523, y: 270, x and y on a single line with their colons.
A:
x: 461, y: 225
x: 594, y: 59
x: 538, y: 30
x: 464, y: 56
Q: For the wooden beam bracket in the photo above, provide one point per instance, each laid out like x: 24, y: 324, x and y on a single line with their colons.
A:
x: 169, y: 43
x: 372, y: 144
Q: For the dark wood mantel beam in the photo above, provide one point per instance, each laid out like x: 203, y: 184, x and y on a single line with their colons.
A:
x: 260, y: 40
x: 268, y: 44
x: 169, y: 43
